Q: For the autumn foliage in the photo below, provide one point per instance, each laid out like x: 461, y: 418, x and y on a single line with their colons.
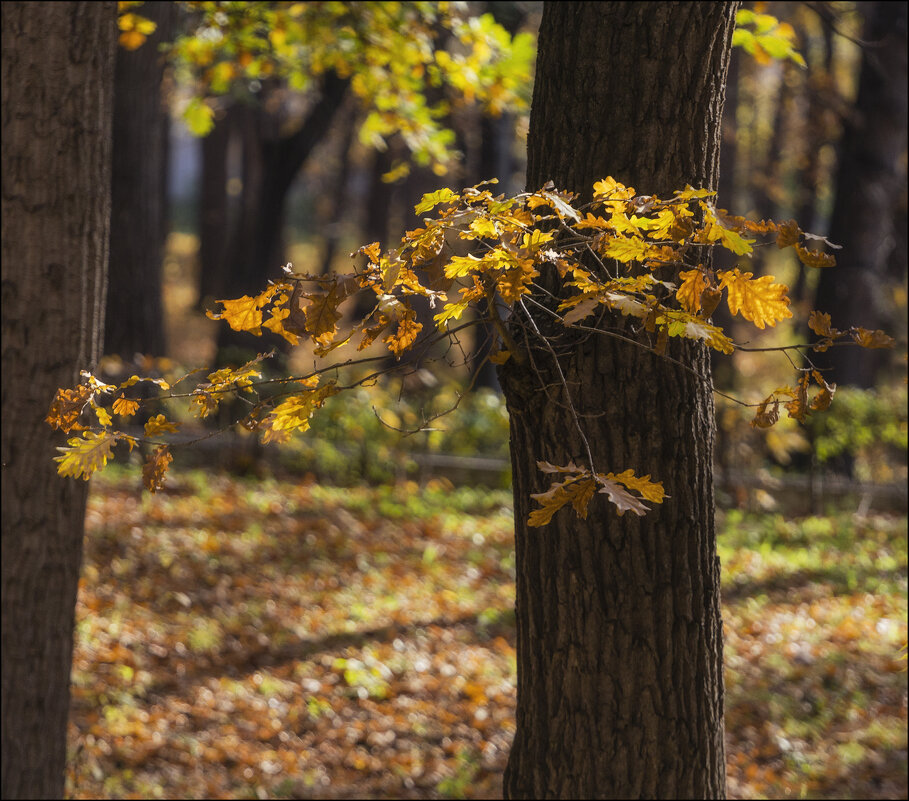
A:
x: 533, y: 263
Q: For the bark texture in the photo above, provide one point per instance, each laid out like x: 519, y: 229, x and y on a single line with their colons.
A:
x: 56, y: 110
x: 620, y: 687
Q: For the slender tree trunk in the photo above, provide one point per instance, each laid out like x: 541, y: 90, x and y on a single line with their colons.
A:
x: 870, y: 181
x: 214, y: 210
x: 139, y: 224
x: 57, y: 86
x: 339, y: 206
x: 620, y: 687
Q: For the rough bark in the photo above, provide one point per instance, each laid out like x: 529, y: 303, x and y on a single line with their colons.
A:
x: 135, y: 312
x: 620, y: 688
x: 871, y: 178
x: 57, y: 89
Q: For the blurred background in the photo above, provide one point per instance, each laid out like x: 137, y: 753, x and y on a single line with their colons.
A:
x: 333, y: 617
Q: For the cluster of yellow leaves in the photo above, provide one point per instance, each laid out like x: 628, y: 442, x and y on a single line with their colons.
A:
x: 408, y: 63
x: 581, y: 484
x: 295, y: 413
x: 619, y: 254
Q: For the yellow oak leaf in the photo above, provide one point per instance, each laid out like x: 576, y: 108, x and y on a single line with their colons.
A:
x: 404, y: 337
x: 689, y: 293
x: 688, y: 193
x: 729, y: 239
x: 432, y: 199
x: 85, y: 454
x: 322, y: 317
x: 294, y: 413
x: 275, y: 323
x: 625, y: 249
x: 577, y: 490
x: 102, y: 414
x: 159, y: 425
x: 483, y: 226
x: 242, y: 314
x: 125, y: 407
x: 760, y: 300
x: 814, y: 258
x: 648, y: 490
x: 610, y: 189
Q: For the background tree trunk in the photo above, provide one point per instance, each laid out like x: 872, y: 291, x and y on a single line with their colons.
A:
x: 870, y: 183
x: 58, y: 63
x: 139, y: 222
x: 271, y: 162
x: 620, y: 687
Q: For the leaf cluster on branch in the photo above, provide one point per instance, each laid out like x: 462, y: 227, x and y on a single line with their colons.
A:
x: 535, y: 262
x: 410, y: 64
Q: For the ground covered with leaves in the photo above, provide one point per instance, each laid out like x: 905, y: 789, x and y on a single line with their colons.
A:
x: 265, y: 639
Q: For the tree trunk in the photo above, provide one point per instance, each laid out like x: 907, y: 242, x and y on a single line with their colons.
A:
x: 620, y: 686
x: 271, y: 163
x: 58, y: 61
x: 214, y: 210
x: 870, y: 181
x: 135, y: 312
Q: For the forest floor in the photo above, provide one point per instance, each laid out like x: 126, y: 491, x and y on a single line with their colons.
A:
x: 267, y: 639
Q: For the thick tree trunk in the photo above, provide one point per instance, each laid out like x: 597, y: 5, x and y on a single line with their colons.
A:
x: 870, y: 181
x: 135, y: 312
x: 57, y: 88
x: 620, y: 687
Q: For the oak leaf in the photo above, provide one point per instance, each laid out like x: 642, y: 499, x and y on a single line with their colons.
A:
x: 66, y: 407
x: 872, y: 339
x: 294, y: 413
x: 577, y: 490
x: 694, y: 282
x: 823, y: 399
x: 648, y: 490
x: 85, y: 454
x: 819, y: 322
x: 766, y: 417
x: 432, y: 199
x: 619, y: 496
x: 242, y: 314
x: 760, y: 300
x: 406, y: 334
x: 159, y: 425
x: 125, y: 407
x: 787, y: 234
x: 814, y: 258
